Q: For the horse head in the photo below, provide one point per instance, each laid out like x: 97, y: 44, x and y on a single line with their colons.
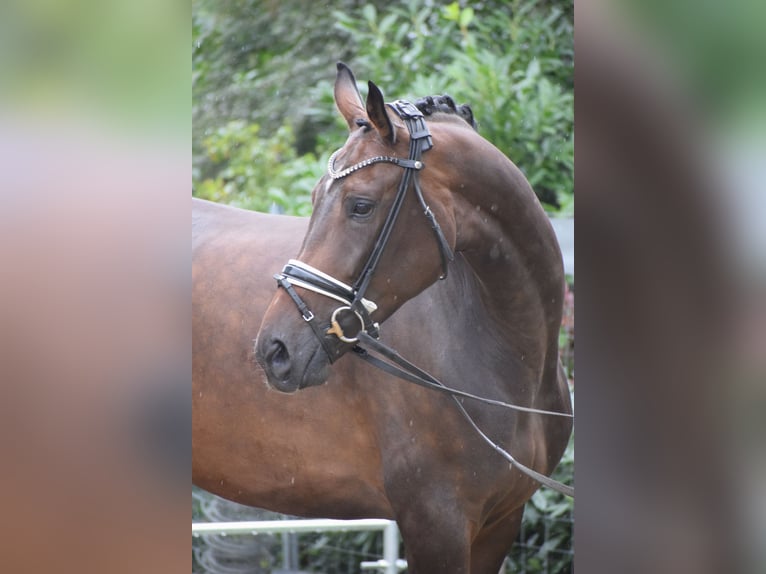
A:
x: 381, y: 231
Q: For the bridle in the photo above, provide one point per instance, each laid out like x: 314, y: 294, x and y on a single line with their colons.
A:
x: 297, y: 273
x: 353, y: 296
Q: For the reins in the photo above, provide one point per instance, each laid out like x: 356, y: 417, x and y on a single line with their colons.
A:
x: 297, y: 273
x: 409, y: 372
x: 405, y: 370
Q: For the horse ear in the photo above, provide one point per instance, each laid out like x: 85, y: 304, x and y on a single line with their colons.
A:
x: 376, y: 111
x: 347, y: 96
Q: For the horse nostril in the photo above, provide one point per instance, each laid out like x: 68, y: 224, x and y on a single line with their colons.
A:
x: 278, y: 358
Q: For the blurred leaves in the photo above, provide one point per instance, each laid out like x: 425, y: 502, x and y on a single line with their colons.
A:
x: 117, y: 60
x: 715, y: 48
x: 271, y: 64
x: 259, y: 173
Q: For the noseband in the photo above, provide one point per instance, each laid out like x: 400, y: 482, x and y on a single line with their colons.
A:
x: 299, y: 274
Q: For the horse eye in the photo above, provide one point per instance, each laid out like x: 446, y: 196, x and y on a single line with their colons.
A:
x: 361, y: 208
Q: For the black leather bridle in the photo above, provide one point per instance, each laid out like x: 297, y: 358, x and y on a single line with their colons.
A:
x: 297, y: 273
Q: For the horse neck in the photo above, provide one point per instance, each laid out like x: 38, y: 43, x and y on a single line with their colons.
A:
x: 510, y: 248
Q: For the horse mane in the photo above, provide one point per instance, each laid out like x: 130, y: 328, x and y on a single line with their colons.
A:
x: 430, y: 105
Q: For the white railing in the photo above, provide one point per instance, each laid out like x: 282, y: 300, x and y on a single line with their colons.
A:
x: 390, y: 564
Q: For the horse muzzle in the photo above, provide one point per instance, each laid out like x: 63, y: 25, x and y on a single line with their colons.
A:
x: 291, y: 367
x: 293, y: 359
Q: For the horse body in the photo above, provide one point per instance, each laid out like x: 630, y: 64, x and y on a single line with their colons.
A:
x: 354, y: 441
x: 250, y: 443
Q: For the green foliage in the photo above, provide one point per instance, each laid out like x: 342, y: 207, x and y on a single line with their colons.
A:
x: 339, y: 552
x: 511, y: 62
x: 259, y: 173
x: 526, y: 115
x: 545, y: 541
x: 270, y: 64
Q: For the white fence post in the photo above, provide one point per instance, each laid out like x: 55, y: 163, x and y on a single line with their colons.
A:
x: 390, y: 564
x: 564, y: 228
x: 391, y: 547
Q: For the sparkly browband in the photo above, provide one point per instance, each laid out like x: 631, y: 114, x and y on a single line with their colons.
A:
x: 405, y: 163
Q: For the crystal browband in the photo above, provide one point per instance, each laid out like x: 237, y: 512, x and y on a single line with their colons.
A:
x: 362, y: 164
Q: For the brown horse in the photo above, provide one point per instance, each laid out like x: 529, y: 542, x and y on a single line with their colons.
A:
x: 364, y: 443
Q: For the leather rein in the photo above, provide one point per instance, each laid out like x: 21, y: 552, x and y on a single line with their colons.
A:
x: 299, y: 274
